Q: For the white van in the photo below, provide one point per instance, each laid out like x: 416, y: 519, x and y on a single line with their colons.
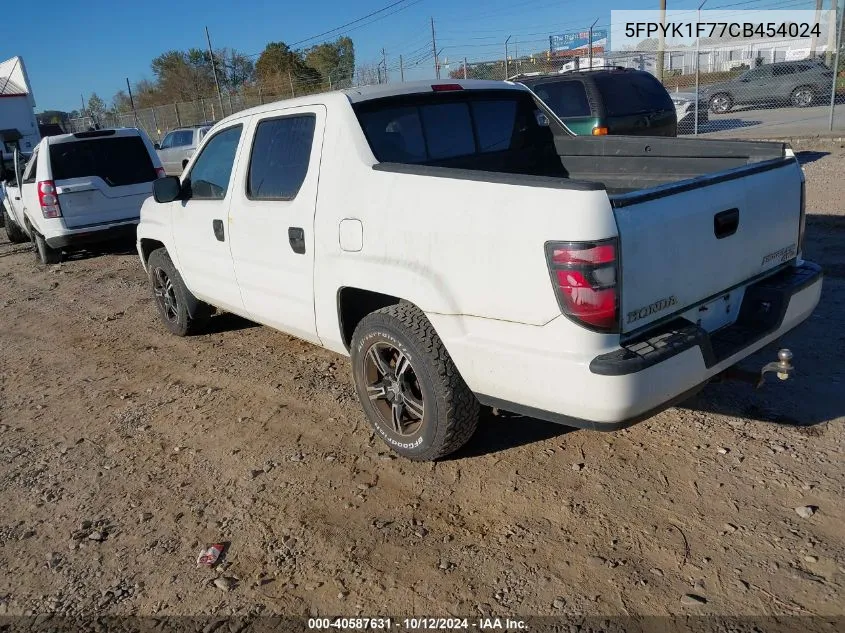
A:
x: 79, y: 189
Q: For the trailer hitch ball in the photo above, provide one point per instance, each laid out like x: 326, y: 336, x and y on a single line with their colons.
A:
x: 783, y: 368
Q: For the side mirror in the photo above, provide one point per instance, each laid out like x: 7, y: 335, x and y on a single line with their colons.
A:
x: 167, y: 189
x: 157, y: 145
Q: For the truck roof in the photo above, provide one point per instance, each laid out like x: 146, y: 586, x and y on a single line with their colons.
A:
x: 367, y: 93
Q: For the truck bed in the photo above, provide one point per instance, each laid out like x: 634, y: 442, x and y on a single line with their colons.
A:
x: 625, y: 164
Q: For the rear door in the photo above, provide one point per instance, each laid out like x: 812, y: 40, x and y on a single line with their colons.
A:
x: 636, y: 104
x: 271, y: 219
x: 568, y: 100
x: 101, y: 177
x: 695, y: 244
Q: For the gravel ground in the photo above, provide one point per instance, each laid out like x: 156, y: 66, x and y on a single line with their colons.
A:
x: 125, y: 450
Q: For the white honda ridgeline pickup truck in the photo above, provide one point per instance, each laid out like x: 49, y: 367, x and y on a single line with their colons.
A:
x: 463, y: 249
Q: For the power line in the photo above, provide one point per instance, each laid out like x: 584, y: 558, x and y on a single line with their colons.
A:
x: 343, y: 26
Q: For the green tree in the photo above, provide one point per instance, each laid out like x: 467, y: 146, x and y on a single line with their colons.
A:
x: 277, y: 63
x: 95, y: 108
x: 183, y: 75
x: 335, y: 61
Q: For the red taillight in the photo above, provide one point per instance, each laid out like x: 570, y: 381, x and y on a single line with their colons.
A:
x: 584, y: 276
x: 48, y: 198
x: 446, y: 87
x: 160, y: 173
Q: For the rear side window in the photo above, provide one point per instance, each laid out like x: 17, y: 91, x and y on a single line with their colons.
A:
x: 632, y: 93
x: 280, y: 156
x: 430, y: 128
x: 565, y: 98
x: 213, y: 168
x: 119, y: 161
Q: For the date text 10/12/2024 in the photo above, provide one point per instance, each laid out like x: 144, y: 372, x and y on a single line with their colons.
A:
x: 417, y: 624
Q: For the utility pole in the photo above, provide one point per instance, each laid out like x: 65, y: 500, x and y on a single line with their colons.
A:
x: 506, y: 56
x: 214, y: 70
x: 831, y: 35
x: 661, y: 45
x: 465, y: 67
x: 401, y: 70
x: 82, y: 112
x: 384, y: 63
x: 819, y: 4
x: 591, y: 42
x: 434, y: 50
x: 132, y: 102
x: 697, y: 69
x: 835, y: 67
x: 290, y: 79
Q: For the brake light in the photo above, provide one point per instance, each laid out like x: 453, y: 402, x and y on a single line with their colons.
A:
x: 446, y: 87
x: 584, y: 277
x: 48, y: 198
x: 599, y: 131
x: 160, y: 173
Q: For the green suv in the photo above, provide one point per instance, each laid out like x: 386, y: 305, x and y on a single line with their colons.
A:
x: 607, y: 101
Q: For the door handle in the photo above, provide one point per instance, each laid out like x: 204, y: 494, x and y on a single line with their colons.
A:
x: 218, y: 230
x: 296, y: 237
x: 725, y: 223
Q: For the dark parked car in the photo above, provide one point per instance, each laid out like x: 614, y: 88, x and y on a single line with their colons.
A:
x: 607, y: 101
x: 801, y: 83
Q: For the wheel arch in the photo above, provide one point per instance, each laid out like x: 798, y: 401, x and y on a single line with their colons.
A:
x: 147, y: 246
x: 353, y: 304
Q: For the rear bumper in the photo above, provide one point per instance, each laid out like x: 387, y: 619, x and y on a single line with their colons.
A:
x: 92, y: 235
x: 534, y: 372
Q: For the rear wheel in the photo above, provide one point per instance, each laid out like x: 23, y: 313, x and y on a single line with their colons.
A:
x: 408, y: 385
x: 13, y: 231
x: 803, y: 97
x: 172, y: 297
x: 45, y: 254
x: 721, y: 103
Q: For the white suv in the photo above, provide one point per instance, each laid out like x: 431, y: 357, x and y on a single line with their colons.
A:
x: 80, y: 188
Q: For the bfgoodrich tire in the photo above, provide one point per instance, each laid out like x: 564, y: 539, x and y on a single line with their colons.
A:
x: 178, y: 309
x: 408, y: 385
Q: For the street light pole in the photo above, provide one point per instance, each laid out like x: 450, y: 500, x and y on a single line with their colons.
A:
x: 506, y: 56
x: 591, y: 42
x: 697, y: 67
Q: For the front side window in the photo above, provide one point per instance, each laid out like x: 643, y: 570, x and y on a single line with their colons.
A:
x: 213, y: 168
x: 167, y: 141
x: 280, y: 156
x: 565, y: 98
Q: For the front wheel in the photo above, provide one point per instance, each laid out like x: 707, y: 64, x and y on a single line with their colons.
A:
x: 408, y: 386
x: 803, y: 97
x: 172, y: 297
x: 721, y: 103
x: 45, y: 254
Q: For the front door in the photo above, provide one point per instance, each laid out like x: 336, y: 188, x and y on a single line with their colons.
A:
x: 272, y: 219
x: 200, y: 226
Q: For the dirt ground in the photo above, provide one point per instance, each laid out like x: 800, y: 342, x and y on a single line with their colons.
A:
x: 125, y: 450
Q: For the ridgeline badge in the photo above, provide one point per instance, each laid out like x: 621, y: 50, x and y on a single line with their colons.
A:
x: 657, y: 306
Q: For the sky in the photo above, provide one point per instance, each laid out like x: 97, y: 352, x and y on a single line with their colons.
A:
x: 93, y: 47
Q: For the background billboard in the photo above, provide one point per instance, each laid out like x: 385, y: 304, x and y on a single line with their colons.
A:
x: 578, y: 43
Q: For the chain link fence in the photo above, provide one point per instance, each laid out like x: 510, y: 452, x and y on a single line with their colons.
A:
x: 741, y: 92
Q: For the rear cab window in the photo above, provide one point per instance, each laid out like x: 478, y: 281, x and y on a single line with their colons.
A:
x: 626, y: 93
x: 117, y: 160
x: 281, y: 153
x: 428, y: 128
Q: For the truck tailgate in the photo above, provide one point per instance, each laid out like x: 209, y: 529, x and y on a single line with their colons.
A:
x: 687, y: 242
x: 87, y: 202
